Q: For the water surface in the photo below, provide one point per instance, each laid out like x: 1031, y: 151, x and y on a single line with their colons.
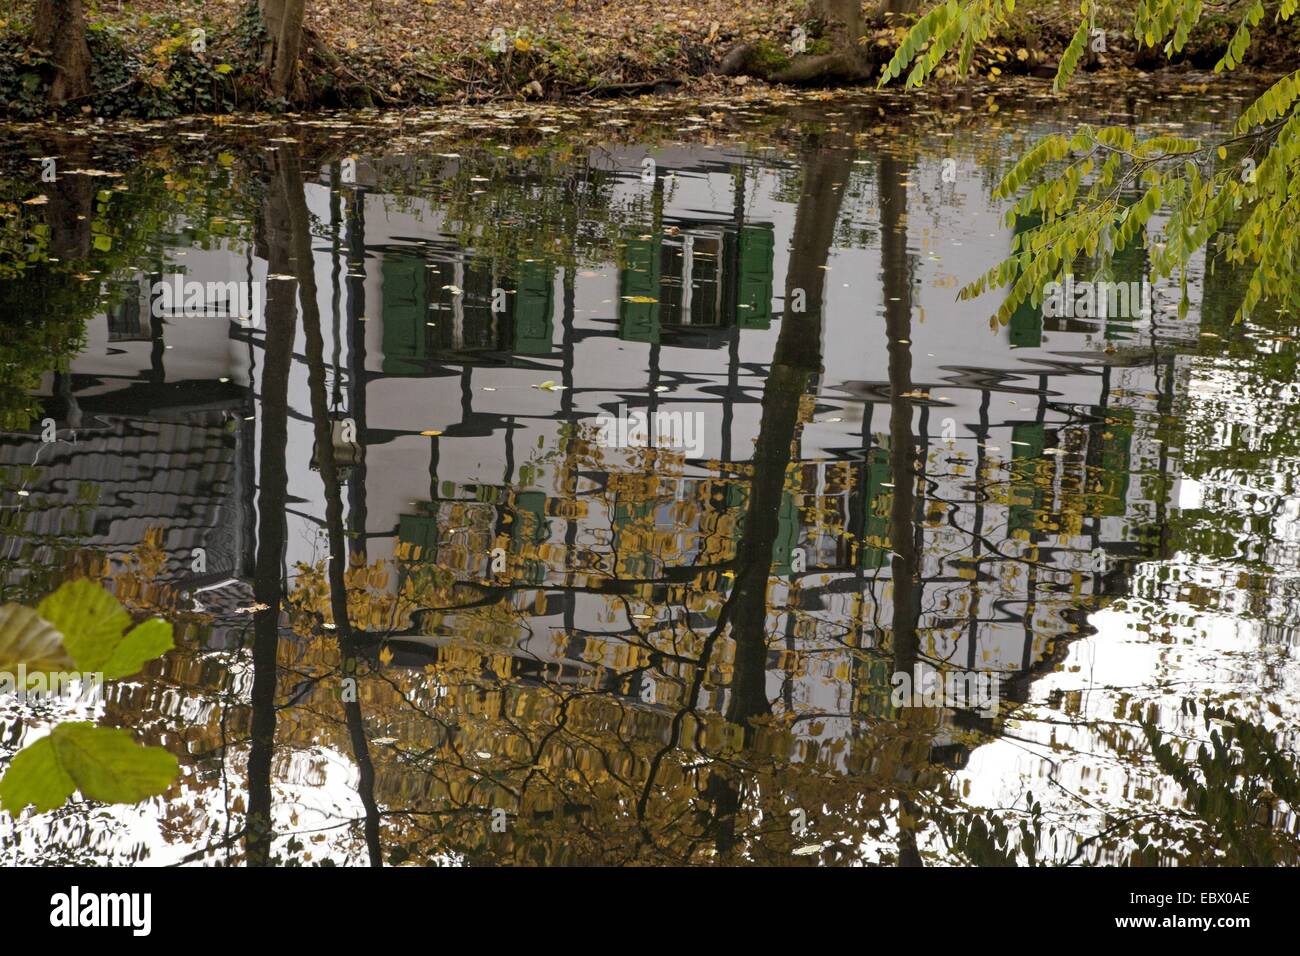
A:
x: 535, y: 644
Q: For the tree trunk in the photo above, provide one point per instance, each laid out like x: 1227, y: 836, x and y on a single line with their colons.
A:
x: 893, y: 9
x: 283, y: 22
x: 841, y: 23
x: 60, y: 30
x: 796, y: 365
x: 842, y: 27
x: 896, y: 273
x: 304, y: 268
x: 272, y: 531
x: 896, y: 278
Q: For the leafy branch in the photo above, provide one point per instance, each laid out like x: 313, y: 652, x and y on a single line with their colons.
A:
x: 1099, y: 191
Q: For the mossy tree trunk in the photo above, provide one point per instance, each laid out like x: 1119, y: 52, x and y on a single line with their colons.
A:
x: 60, y: 31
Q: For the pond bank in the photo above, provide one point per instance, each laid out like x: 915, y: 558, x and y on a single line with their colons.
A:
x: 391, y: 54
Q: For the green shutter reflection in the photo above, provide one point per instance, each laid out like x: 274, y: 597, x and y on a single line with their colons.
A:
x: 405, y: 304
x: 639, y: 279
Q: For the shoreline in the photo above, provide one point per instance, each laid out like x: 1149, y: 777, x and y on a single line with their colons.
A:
x: 144, y: 67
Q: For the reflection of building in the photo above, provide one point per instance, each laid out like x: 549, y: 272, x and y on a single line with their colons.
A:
x: 454, y: 309
x: 699, y: 279
x: 118, y: 478
x: 438, y: 357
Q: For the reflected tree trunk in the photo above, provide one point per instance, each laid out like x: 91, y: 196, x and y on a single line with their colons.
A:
x: 273, y: 480
x: 896, y: 280
x: 896, y: 276
x: 796, y: 366
x: 290, y: 184
x: 70, y: 213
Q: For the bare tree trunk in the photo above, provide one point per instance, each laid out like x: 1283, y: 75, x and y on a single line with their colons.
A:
x: 60, y: 29
x: 283, y: 22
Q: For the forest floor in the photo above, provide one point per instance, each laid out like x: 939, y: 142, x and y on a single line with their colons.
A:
x: 392, y: 53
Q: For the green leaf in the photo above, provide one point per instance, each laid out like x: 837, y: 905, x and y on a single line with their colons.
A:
x: 1070, y: 58
x: 104, y: 763
x: 1173, y: 145
x: 36, y: 777
x: 1274, y: 103
x: 151, y: 639
x: 94, y: 626
x: 91, y: 620
x: 28, y: 639
x: 1240, y: 41
x: 915, y: 39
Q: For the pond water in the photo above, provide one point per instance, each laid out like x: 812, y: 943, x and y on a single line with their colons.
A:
x: 629, y: 485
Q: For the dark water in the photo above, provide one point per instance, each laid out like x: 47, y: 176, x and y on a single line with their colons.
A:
x: 565, y: 645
